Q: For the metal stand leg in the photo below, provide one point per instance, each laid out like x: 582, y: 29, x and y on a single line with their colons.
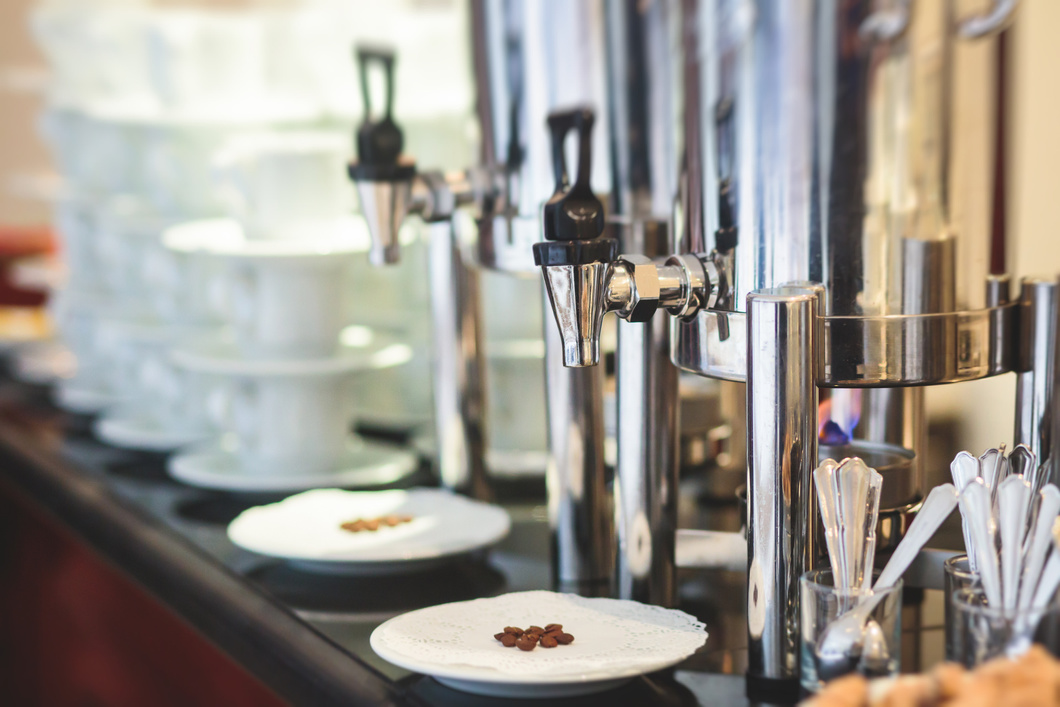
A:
x: 580, y: 506
x: 782, y: 341
x: 459, y: 368
x: 646, y: 473
x: 1036, y: 411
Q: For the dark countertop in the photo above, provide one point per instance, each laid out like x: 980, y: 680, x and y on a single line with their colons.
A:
x: 306, y: 635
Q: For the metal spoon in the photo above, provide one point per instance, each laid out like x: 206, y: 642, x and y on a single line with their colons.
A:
x: 1013, y: 500
x: 842, y: 646
x: 976, y: 509
x: 875, y: 659
x: 1038, y: 543
x: 849, y: 498
x: 1023, y: 462
x: 827, y: 503
x: 965, y: 468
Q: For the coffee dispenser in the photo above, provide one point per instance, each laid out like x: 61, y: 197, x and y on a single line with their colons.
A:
x: 827, y: 257
x: 519, y: 78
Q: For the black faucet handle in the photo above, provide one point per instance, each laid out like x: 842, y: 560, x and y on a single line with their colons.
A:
x: 379, y: 141
x: 573, y: 213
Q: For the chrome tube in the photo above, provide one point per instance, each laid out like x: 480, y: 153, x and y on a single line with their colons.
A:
x: 580, y: 506
x: 782, y: 351
x: 458, y: 364
x: 1036, y: 394
x: 647, y: 430
x: 531, y: 58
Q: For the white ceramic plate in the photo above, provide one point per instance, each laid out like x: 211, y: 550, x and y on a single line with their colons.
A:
x: 83, y: 397
x: 305, y: 529
x: 218, y: 467
x: 224, y: 237
x: 131, y: 431
x: 615, y: 641
x: 508, y: 464
x: 360, y: 349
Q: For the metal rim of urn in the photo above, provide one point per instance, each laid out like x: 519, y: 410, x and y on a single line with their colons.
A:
x: 885, y: 351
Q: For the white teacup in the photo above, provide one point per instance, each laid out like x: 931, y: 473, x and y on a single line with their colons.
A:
x: 75, y: 221
x: 142, y: 372
x: 285, y: 185
x: 286, y: 308
x: 177, y: 168
x: 129, y: 238
x: 285, y: 299
x: 285, y: 424
x: 199, y: 58
x: 77, y: 315
x: 180, y: 289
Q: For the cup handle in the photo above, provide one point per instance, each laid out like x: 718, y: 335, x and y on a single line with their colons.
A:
x: 235, y: 292
x: 161, y: 268
x: 244, y: 413
x: 231, y: 177
x: 219, y: 406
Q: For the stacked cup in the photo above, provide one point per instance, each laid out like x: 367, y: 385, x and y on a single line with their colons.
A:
x: 139, y: 100
x: 285, y: 371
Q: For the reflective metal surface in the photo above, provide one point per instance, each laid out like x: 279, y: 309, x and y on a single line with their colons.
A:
x: 1036, y: 394
x: 783, y: 333
x: 384, y: 205
x: 647, y: 430
x: 531, y: 58
x: 859, y: 170
x: 576, y: 298
x: 458, y: 365
x: 869, y: 351
x: 580, y: 507
x: 893, y: 419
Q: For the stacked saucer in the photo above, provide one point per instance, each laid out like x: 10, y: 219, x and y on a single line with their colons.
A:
x: 285, y: 373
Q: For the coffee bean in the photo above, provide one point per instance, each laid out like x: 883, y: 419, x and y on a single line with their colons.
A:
x: 525, y: 644
x: 549, y: 637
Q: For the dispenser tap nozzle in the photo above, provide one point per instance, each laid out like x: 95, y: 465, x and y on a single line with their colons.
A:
x: 382, y: 175
x: 575, y: 258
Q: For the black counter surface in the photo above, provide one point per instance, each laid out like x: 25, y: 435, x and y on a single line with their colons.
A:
x: 306, y: 635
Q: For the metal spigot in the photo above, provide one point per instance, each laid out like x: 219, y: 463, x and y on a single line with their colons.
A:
x: 583, y: 278
x: 382, y: 175
x: 576, y: 257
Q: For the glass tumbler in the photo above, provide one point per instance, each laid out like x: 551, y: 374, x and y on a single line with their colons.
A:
x: 871, y: 646
x: 978, y: 632
x: 957, y: 574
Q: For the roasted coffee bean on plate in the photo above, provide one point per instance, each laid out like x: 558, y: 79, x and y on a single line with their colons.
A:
x: 373, y: 524
x: 549, y: 637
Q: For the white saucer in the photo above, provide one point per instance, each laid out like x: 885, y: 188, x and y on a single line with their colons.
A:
x: 516, y: 463
x: 360, y: 349
x: 82, y: 397
x: 615, y: 641
x: 225, y: 238
x: 141, y: 432
x: 511, y: 464
x: 304, y: 530
x: 366, y: 464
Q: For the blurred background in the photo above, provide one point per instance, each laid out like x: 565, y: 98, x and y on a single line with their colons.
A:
x: 442, y: 85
